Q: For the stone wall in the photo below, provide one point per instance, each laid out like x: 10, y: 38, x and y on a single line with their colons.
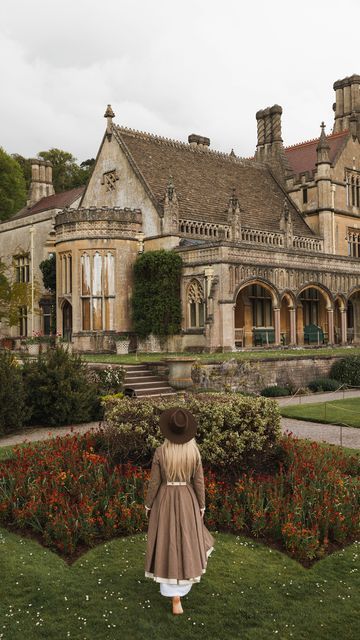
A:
x: 254, y: 375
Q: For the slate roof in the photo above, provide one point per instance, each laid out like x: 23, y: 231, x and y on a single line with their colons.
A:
x: 56, y: 201
x: 302, y: 157
x: 204, y: 180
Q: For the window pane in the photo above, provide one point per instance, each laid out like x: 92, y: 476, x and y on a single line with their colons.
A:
x: 97, y: 270
x: 85, y: 274
x: 192, y: 314
x: 97, y: 314
x: 109, y: 275
x: 70, y: 274
x: 201, y: 314
x: 86, y: 314
x: 109, y: 314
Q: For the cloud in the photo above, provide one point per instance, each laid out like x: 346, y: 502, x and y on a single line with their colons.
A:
x: 173, y: 68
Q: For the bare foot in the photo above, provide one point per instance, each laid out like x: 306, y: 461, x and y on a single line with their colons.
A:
x: 176, y: 604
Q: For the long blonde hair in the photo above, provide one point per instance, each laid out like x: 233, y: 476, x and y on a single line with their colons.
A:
x: 180, y: 460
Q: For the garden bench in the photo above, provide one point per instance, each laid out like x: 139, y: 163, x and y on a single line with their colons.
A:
x: 263, y: 335
x: 313, y: 334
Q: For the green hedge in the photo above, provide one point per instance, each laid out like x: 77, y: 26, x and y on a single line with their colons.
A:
x: 347, y: 370
x: 324, y: 384
x: 275, y: 392
x: 13, y: 407
x: 234, y: 432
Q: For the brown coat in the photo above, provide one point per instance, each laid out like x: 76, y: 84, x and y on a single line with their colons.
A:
x: 178, y: 543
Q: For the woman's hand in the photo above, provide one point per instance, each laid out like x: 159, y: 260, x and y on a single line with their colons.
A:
x: 202, y: 511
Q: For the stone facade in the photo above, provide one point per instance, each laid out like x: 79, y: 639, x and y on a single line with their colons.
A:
x: 270, y: 245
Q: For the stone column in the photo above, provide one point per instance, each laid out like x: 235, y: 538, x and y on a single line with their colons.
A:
x: 300, y: 324
x: 226, y: 318
x: 330, y: 313
x: 292, y: 312
x: 277, y: 325
x: 343, y: 320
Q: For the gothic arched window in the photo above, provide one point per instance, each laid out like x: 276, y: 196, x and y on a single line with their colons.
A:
x: 196, y: 304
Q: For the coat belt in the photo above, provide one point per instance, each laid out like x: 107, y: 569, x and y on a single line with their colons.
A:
x: 176, y: 483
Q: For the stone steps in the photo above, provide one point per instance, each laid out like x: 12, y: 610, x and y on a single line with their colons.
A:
x: 140, y: 382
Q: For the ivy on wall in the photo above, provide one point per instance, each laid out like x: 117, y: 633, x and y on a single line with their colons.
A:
x: 156, y: 301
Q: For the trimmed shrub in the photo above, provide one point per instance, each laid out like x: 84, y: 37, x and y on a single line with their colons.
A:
x: 275, y: 391
x: 58, y: 389
x: 108, y: 381
x: 13, y: 409
x: 234, y: 432
x: 324, y: 384
x: 347, y: 370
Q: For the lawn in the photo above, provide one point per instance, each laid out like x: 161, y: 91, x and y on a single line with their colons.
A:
x: 284, y: 353
x: 249, y: 591
x: 342, y: 412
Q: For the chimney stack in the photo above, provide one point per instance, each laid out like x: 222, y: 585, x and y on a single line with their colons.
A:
x: 41, y: 184
x: 347, y: 93
x: 269, y: 139
x: 200, y: 142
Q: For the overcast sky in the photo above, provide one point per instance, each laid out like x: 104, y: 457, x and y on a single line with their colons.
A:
x: 170, y: 67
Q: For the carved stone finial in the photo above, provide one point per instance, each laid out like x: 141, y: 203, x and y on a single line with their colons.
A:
x: 234, y: 200
x: 323, y: 147
x: 109, y: 112
x: 171, y: 208
x: 170, y: 189
x: 286, y: 211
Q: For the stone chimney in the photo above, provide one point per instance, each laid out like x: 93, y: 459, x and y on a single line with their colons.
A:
x: 347, y: 103
x: 41, y: 184
x: 200, y: 142
x: 269, y: 140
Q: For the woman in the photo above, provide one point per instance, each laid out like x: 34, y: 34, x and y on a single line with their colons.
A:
x: 178, y: 543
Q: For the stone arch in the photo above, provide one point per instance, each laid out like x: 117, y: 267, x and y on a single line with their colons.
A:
x: 264, y: 283
x: 321, y: 288
x: 315, y: 314
x: 256, y: 309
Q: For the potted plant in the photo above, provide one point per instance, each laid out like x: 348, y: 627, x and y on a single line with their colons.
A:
x: 33, y: 343
x: 122, y: 342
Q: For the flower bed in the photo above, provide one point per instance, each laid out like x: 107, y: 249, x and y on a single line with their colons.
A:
x: 68, y: 494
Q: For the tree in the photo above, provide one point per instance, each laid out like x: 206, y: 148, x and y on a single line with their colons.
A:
x: 12, y: 186
x: 48, y: 269
x: 13, y: 296
x: 25, y: 164
x: 67, y: 174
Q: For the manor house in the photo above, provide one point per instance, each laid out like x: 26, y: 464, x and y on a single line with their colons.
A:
x: 270, y: 245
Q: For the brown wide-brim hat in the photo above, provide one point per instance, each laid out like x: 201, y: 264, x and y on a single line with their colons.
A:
x: 178, y: 425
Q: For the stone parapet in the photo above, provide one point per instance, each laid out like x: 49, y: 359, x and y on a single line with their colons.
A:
x: 73, y: 224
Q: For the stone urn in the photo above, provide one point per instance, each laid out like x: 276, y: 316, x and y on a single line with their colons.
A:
x: 180, y: 372
x: 34, y: 349
x: 122, y: 346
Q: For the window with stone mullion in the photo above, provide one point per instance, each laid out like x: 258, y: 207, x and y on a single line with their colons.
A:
x: 98, y: 291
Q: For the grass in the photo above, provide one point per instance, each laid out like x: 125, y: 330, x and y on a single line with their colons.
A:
x: 342, y: 412
x: 275, y: 354
x: 249, y: 591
